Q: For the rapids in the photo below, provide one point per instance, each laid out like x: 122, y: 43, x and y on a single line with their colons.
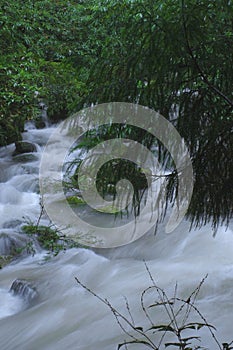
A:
x: 66, y: 316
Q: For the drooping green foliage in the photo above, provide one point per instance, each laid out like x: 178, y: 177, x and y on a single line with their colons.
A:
x: 176, y: 57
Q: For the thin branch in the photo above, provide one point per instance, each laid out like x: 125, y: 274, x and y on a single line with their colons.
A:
x: 205, y: 321
x: 128, y: 309
x: 192, y: 298
x: 118, y: 315
x: 143, y: 305
x: 41, y: 212
x: 164, y: 299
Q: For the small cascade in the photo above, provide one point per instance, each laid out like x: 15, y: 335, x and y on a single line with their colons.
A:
x: 41, y: 121
x: 44, y: 115
x: 24, y: 289
x: 20, y: 296
x: 19, y: 185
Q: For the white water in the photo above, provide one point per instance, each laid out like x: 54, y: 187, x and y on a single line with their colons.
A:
x: 67, y: 316
x: 10, y: 304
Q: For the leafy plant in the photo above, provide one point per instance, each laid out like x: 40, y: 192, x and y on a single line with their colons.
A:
x: 49, y: 238
x: 178, y: 312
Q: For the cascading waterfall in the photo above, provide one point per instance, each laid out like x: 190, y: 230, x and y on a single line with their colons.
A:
x: 63, y: 314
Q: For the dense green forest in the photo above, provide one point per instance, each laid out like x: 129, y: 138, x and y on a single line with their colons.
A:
x: 162, y: 54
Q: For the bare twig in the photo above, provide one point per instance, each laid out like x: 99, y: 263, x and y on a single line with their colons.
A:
x: 164, y: 299
x: 205, y: 321
x: 174, y: 326
x: 118, y: 315
x: 128, y: 309
x: 41, y: 212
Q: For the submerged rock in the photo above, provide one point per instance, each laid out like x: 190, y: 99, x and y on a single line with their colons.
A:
x: 12, y: 223
x: 24, y: 289
x: 24, y: 147
x: 12, y: 244
x: 5, y: 260
x: 7, y: 244
x: 25, y: 158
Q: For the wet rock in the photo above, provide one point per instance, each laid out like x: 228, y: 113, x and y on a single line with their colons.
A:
x: 42, y: 120
x: 24, y: 289
x: 24, y: 147
x: 11, y: 244
x: 7, y: 244
x: 25, y: 158
x: 5, y: 260
x: 39, y: 123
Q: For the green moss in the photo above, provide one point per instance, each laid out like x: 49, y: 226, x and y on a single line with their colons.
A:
x: 5, y: 260
x: 109, y: 209
x: 75, y: 200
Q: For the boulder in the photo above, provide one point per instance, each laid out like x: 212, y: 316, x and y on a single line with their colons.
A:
x: 24, y: 147
x: 7, y: 244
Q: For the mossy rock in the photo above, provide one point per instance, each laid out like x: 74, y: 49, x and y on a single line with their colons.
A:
x: 24, y: 147
x: 5, y: 260
x: 39, y: 123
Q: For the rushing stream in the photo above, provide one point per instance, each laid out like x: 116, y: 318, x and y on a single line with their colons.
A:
x: 65, y: 316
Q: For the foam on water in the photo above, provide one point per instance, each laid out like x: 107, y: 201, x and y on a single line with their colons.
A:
x: 9, y: 304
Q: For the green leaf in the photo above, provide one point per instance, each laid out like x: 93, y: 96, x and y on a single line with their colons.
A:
x: 196, y: 325
x: 163, y: 328
x: 143, y: 342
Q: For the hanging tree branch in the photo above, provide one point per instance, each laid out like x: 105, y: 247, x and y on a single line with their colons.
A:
x: 197, y: 65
